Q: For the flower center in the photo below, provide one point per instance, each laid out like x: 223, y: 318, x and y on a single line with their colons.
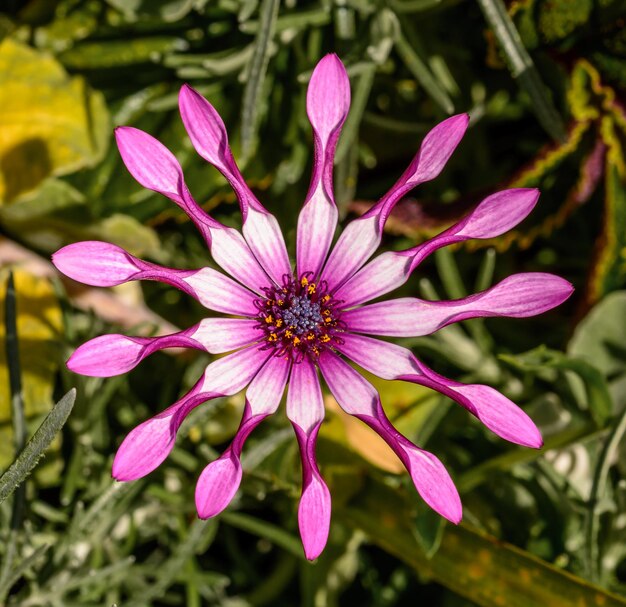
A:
x: 299, y: 318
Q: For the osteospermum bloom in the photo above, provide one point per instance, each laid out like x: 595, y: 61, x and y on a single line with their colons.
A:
x: 285, y: 325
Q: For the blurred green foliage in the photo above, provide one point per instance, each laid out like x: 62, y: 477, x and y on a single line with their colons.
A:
x: 543, y: 81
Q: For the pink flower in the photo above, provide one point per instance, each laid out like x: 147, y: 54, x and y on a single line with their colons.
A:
x: 283, y: 326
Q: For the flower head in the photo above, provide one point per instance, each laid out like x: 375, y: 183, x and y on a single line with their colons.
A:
x: 286, y: 327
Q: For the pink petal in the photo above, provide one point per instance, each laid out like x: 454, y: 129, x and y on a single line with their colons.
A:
x: 102, y: 264
x: 328, y: 102
x: 354, y: 247
x: 381, y: 358
x: 362, y: 236
x: 208, y: 135
x: 383, y: 274
x: 150, y: 162
x: 316, y: 228
x: 359, y: 398
x: 218, y: 335
x: 266, y: 389
x: 493, y: 409
x: 96, y: 263
x: 434, y: 153
x: 328, y: 98
x: 220, y: 293
x: 145, y: 447
x: 518, y: 296
x: 156, y: 168
x: 205, y: 129
x: 305, y: 409
x: 265, y: 238
x: 494, y: 216
x: 220, y: 480
x: 233, y: 254
x: 110, y: 355
x: 218, y: 484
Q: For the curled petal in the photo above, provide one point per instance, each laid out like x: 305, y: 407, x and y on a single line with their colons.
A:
x: 494, y: 216
x: 102, y: 264
x: 208, y: 135
x: 434, y: 153
x: 150, y: 162
x: 145, y: 447
x: 359, y: 398
x: 110, y: 355
x: 206, y: 129
x: 96, y: 263
x: 494, y: 410
x: 328, y: 102
x: 328, y: 98
x: 220, y: 480
x: 305, y: 409
x: 501, y: 415
x: 156, y: 168
x: 517, y: 296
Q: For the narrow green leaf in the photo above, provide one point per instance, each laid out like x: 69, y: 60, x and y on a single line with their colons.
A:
x: 169, y: 571
x: 522, y: 67
x: 274, y: 534
x: 35, y: 447
x: 256, y: 75
x: 360, y: 96
x: 598, y: 490
x: 422, y: 73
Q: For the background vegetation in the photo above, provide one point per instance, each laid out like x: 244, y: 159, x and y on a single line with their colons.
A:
x: 542, y: 80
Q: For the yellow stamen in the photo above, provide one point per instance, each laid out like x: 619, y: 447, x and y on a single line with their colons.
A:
x: 269, y: 302
x: 326, y: 298
x: 296, y: 340
x: 325, y: 338
x: 311, y: 288
x: 328, y: 320
x: 288, y: 333
x: 279, y: 323
x: 310, y: 337
x: 304, y: 281
x: 273, y: 337
x: 281, y: 302
x: 269, y: 319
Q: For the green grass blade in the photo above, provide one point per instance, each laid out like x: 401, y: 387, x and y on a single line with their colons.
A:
x: 28, y: 458
x: 256, y: 75
x: 522, y: 67
x: 598, y: 490
x: 274, y: 534
x: 423, y: 74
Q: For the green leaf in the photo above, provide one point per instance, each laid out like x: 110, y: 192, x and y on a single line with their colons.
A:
x: 34, y: 449
x: 476, y: 566
x: 51, y: 123
x: 600, y: 339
